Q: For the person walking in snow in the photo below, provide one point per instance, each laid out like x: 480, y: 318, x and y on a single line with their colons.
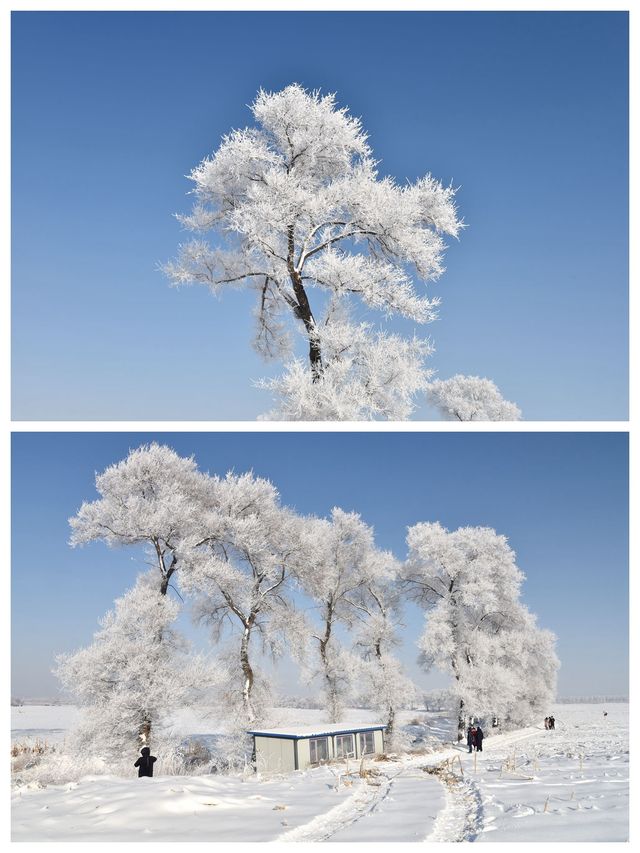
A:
x: 546, y: 722
x: 479, y: 738
x: 145, y: 762
x: 471, y: 737
x: 552, y: 722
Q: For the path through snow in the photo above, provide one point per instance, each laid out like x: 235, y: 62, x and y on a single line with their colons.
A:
x: 405, y: 803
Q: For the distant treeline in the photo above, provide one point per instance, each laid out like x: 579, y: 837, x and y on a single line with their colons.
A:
x: 590, y: 700
x: 298, y: 702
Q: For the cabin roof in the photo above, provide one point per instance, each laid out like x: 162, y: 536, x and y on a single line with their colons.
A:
x: 320, y: 730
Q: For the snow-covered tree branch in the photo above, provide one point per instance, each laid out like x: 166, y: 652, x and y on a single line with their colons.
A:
x: 146, y: 499
x: 340, y: 573
x: 367, y: 375
x: 236, y: 567
x: 382, y: 682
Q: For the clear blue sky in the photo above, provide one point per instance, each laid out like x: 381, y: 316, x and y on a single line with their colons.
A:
x: 561, y: 498
x: 527, y: 112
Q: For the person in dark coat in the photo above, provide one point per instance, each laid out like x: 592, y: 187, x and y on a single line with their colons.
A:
x: 552, y: 722
x: 145, y: 762
x: 471, y: 737
x: 479, y: 738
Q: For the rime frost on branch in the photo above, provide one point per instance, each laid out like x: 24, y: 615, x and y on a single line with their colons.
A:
x: 367, y: 375
x: 382, y: 683
x: 236, y: 567
x: 147, y: 499
x: 354, y: 585
x: 470, y: 398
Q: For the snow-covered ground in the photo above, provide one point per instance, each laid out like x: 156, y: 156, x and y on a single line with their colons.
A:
x: 570, y: 784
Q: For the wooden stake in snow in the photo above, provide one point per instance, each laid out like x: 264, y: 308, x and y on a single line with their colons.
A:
x: 546, y: 805
x: 362, y: 770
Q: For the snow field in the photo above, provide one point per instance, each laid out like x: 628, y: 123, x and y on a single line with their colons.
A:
x: 48, y: 723
x: 570, y: 784
x: 165, y: 808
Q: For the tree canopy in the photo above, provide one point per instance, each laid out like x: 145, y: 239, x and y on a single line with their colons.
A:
x: 299, y: 210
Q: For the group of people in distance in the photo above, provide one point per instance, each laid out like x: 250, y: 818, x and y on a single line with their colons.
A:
x: 475, y: 736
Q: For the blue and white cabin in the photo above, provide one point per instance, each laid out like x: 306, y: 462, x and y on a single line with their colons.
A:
x: 297, y: 748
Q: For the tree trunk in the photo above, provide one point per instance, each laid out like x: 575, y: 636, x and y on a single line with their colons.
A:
x: 391, y: 721
x: 166, y: 573
x: 247, y: 672
x: 333, y: 706
x: 145, y: 728
x: 303, y: 311
x: 391, y: 711
x: 456, y: 672
x: 461, y: 721
x: 145, y: 732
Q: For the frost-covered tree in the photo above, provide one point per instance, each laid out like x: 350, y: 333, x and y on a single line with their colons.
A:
x: 236, y: 566
x: 342, y: 558
x: 534, y: 663
x: 303, y: 213
x: 470, y: 398
x: 135, y: 673
x: 514, y: 671
x: 469, y: 584
x: 382, y: 682
x: 146, y: 499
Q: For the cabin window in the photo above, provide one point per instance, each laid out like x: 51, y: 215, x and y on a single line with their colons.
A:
x: 318, y: 749
x: 344, y: 746
x: 367, y: 742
